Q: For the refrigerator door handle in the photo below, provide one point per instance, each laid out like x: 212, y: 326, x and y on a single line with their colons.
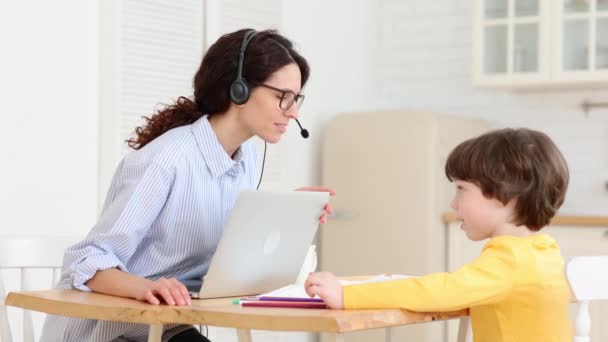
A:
x: 338, y: 214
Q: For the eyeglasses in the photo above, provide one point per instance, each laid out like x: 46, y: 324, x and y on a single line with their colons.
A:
x: 288, y: 97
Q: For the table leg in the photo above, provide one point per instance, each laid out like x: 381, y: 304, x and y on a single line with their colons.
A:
x: 243, y: 335
x: 156, y: 333
x: 334, y: 337
x: 388, y: 337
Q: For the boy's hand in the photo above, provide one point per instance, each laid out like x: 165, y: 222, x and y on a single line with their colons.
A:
x: 327, y: 208
x: 326, y: 286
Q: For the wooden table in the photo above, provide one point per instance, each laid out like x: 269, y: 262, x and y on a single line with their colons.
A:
x: 219, y: 312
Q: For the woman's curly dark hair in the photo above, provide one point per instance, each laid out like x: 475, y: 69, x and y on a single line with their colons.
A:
x: 266, y: 53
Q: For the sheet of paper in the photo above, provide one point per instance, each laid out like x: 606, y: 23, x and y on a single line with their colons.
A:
x: 378, y: 278
x: 289, y: 291
x: 297, y: 290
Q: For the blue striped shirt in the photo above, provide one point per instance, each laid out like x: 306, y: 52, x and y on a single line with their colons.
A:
x: 163, y: 217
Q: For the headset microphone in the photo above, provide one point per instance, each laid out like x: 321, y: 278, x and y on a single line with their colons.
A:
x: 303, y: 131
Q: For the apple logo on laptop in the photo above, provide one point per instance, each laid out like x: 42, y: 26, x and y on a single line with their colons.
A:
x: 271, y: 243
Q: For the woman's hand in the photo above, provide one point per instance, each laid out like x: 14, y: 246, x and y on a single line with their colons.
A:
x: 326, y: 286
x: 115, y: 282
x: 327, y: 210
x: 169, y: 290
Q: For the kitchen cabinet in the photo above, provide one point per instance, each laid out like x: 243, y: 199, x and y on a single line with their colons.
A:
x: 540, y: 43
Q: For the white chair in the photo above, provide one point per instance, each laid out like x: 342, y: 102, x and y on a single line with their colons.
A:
x: 588, y: 277
x: 28, y: 255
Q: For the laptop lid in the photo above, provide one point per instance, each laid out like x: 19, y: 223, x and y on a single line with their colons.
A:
x: 264, y: 242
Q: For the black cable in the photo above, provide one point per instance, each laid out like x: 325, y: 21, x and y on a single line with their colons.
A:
x: 263, y: 161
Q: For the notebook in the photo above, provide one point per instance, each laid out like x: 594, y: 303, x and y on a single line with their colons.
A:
x: 263, y: 245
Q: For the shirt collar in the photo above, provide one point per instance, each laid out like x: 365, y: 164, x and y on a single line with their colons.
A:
x: 218, y: 161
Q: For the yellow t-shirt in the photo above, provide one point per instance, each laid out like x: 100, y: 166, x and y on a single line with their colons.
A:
x: 516, y: 291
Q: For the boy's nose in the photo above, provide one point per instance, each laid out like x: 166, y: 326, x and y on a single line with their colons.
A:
x: 453, y: 204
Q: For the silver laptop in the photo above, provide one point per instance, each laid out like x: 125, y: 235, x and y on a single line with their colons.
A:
x: 263, y: 245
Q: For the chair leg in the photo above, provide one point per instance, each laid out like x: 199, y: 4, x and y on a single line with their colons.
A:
x: 463, y: 329
x: 28, y: 323
x: 582, y: 326
x: 5, y: 329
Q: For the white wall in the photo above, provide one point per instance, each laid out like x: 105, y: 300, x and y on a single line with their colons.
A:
x: 48, y: 87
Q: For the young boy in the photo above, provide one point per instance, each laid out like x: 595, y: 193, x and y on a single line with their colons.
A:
x: 509, y: 184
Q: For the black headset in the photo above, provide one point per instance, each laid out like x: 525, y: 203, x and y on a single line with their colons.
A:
x: 239, y: 89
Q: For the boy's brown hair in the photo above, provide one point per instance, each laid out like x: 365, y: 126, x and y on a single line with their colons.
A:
x: 520, y: 164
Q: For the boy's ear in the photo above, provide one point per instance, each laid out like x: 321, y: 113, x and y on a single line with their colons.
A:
x: 510, y: 204
x: 498, y: 203
x: 510, y: 207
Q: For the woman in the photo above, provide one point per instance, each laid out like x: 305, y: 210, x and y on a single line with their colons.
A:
x: 170, y: 198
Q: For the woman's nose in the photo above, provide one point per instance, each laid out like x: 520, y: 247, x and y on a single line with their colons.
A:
x: 292, y: 112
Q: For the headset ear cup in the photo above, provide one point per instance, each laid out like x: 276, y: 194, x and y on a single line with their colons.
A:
x: 239, y: 92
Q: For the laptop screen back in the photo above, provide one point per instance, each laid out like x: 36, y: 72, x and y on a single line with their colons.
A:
x: 264, y: 242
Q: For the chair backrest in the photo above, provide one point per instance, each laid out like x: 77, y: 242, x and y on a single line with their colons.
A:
x: 588, y: 278
x: 26, y: 255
